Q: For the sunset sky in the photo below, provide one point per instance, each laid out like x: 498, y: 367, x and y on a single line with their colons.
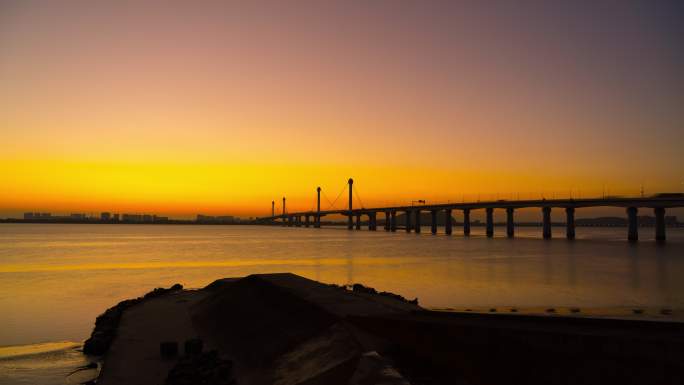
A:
x: 218, y: 107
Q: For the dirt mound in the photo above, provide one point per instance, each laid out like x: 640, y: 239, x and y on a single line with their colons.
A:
x: 257, y: 321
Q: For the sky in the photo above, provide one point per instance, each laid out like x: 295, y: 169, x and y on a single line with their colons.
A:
x: 214, y: 107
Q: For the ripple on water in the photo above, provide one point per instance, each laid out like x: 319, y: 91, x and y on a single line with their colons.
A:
x: 48, y: 363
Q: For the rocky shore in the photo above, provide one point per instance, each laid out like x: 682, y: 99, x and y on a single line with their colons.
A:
x: 283, y: 329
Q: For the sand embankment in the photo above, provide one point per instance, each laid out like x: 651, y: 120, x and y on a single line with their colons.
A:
x: 275, y: 328
x: 133, y: 357
x: 287, y: 330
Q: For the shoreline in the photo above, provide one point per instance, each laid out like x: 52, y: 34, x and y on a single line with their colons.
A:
x: 327, y: 224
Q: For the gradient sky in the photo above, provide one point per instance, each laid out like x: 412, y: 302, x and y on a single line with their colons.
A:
x: 184, y: 107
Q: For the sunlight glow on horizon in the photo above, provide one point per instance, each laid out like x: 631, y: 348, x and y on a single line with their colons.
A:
x: 215, y: 108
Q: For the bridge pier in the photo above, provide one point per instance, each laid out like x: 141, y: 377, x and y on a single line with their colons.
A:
x: 466, y: 222
x: 433, y: 222
x: 510, y: 224
x: 633, y: 224
x: 570, y: 222
x: 417, y: 220
x: 546, y: 222
x: 660, y: 223
x: 490, y: 222
x: 659, y: 205
x: 447, y: 221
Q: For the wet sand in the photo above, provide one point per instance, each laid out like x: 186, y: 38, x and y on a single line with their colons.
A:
x: 634, y: 313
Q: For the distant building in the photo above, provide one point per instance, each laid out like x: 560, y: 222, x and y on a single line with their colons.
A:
x: 140, y: 218
x: 204, y: 218
x: 105, y: 216
x: 77, y: 216
x: 225, y: 219
x: 35, y: 216
x: 132, y: 218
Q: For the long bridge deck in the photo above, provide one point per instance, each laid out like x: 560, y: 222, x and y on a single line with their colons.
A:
x: 505, y: 204
x: 412, y: 217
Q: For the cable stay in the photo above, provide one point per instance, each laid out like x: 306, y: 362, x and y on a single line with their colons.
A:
x: 338, y: 197
x: 358, y: 197
x: 326, y: 198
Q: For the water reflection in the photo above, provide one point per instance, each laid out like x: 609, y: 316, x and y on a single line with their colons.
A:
x: 54, y: 293
x: 571, y: 261
x: 633, y: 256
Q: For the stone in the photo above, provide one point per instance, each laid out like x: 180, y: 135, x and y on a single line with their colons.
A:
x: 193, y: 347
x: 168, y: 349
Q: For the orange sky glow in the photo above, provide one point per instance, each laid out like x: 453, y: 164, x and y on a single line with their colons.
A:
x: 179, y: 108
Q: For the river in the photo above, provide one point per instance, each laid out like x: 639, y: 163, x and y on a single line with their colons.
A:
x: 55, y: 279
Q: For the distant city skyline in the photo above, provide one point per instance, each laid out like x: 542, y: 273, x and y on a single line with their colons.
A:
x: 526, y: 215
x: 178, y: 107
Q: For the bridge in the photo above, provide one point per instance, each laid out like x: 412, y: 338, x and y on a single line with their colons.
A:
x: 412, y: 214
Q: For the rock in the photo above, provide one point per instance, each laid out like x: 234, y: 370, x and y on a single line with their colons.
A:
x: 193, y: 347
x: 205, y: 368
x: 375, y: 369
x: 168, y: 349
x: 359, y: 288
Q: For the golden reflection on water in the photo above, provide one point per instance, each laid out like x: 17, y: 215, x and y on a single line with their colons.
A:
x: 22, y: 350
x: 54, y: 292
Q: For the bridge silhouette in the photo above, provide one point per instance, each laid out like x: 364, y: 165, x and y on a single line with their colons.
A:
x: 412, y: 214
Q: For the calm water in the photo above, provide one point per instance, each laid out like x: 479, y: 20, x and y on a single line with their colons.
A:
x: 55, y: 279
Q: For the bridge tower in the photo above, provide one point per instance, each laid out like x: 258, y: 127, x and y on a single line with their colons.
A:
x: 283, y: 214
x: 318, y: 208
x: 350, y: 221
